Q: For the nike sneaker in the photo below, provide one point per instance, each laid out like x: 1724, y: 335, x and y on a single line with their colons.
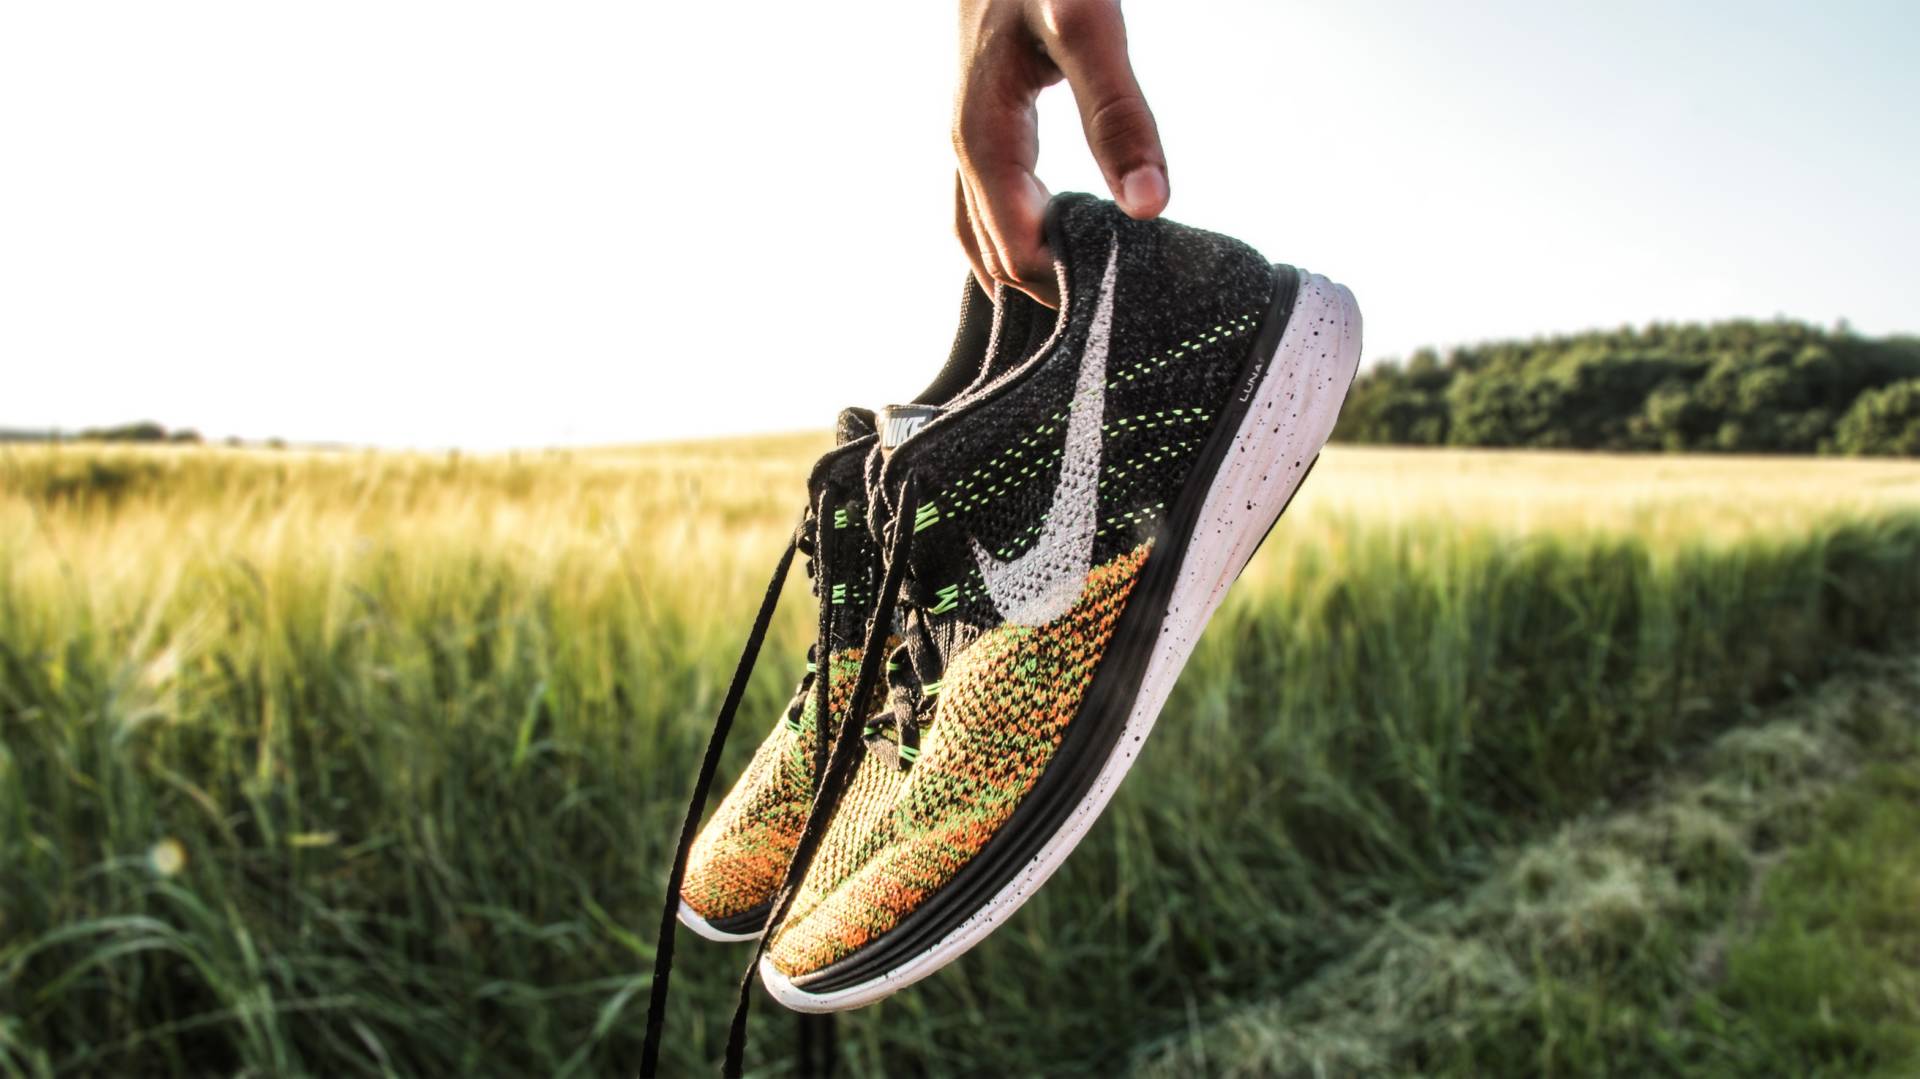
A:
x: 739, y: 857
x: 724, y: 875
x: 1055, y: 541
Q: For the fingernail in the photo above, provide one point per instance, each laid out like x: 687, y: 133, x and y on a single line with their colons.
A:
x: 1143, y: 192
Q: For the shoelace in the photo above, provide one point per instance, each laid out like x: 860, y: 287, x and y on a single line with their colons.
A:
x: 814, y: 540
x: 847, y: 746
x: 833, y: 761
x: 913, y: 681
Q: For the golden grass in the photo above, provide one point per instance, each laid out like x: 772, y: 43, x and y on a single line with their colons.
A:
x: 697, y: 524
x: 681, y: 496
x: 692, y: 528
x: 1533, y: 489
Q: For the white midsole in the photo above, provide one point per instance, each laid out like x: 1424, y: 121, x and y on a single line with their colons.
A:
x: 692, y: 920
x: 1289, y: 419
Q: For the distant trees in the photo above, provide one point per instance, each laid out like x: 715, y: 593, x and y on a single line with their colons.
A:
x: 1754, y: 387
x: 144, y: 431
x: 1886, y: 420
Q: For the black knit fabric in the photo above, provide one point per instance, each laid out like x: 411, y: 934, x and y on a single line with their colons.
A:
x: 852, y: 425
x: 1186, y: 307
x: 970, y: 340
x: 853, y: 558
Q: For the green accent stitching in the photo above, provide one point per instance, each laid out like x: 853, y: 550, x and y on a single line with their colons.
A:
x: 1239, y: 325
x: 797, y: 719
x: 949, y: 599
x: 967, y: 494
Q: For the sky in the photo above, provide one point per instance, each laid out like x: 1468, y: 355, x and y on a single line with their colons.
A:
x: 491, y: 225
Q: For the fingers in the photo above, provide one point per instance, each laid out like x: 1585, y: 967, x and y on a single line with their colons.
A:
x: 1008, y: 209
x: 1087, y: 40
x: 969, y: 240
x: 996, y: 137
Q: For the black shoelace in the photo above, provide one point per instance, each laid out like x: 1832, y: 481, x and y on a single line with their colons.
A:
x: 813, y: 537
x: 834, y: 760
x: 847, y: 746
x: 913, y: 681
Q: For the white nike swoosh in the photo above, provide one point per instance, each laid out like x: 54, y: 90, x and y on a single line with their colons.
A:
x: 1045, y: 580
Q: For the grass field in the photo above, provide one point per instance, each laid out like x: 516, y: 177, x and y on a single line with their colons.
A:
x: 346, y: 764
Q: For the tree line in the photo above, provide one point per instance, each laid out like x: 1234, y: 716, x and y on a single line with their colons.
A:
x: 1742, y: 386
x: 143, y: 431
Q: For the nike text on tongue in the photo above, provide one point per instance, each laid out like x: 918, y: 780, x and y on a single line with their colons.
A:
x: 899, y: 422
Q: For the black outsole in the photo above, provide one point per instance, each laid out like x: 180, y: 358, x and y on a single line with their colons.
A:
x: 1102, y: 717
x: 746, y: 923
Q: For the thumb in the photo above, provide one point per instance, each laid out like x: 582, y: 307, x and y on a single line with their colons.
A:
x: 1087, y: 41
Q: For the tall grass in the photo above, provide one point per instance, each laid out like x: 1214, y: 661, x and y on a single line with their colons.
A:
x: 421, y: 728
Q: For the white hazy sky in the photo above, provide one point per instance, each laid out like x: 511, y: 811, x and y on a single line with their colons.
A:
x: 520, y: 224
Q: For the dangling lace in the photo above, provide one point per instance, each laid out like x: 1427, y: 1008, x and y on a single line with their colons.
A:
x: 815, y: 1037
x: 839, y: 763
x: 823, y: 646
x: 808, y: 537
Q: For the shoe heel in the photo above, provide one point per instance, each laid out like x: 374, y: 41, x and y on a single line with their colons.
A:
x: 1292, y: 412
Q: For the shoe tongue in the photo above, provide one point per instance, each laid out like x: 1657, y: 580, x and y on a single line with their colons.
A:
x: 853, y: 424
x: 899, y: 422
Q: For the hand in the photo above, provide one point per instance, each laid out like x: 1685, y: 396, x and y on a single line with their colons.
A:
x: 1010, y: 50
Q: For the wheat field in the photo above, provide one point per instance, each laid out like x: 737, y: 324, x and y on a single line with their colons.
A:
x: 369, y: 763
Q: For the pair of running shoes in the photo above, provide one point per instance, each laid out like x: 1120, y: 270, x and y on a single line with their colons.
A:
x: 1011, y: 571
